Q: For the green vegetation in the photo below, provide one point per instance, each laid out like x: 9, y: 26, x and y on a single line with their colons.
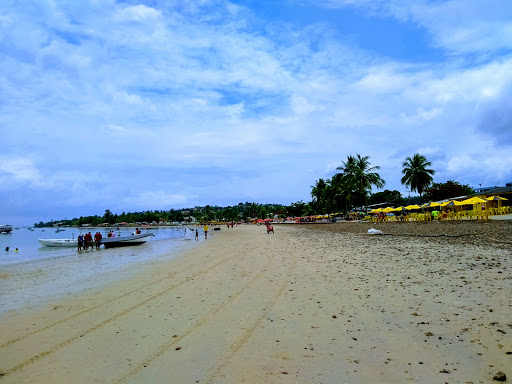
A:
x: 442, y: 191
x: 347, y: 189
x: 416, y: 175
x: 240, y: 212
x: 392, y: 197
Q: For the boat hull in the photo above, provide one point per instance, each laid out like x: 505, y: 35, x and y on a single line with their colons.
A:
x: 109, y: 242
x: 125, y: 241
x: 58, y: 242
x: 5, y: 228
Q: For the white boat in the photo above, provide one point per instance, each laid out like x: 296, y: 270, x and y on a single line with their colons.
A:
x: 5, y: 228
x: 123, y: 241
x: 108, y: 242
x: 58, y: 242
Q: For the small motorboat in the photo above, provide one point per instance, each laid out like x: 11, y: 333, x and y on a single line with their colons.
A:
x: 5, y: 228
x: 124, y: 241
x: 108, y: 242
x: 58, y: 242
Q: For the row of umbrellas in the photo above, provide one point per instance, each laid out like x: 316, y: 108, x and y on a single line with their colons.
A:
x: 450, y: 203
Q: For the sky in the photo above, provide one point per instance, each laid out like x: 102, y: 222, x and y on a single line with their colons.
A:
x: 168, y: 104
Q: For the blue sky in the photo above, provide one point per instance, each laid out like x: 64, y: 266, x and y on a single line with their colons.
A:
x: 142, y: 105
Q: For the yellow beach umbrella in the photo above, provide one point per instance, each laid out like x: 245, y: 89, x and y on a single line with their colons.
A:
x: 473, y: 201
x: 376, y: 210
x: 414, y: 206
x: 495, y: 198
x: 387, y: 209
x: 451, y: 203
x: 399, y: 209
x: 431, y: 205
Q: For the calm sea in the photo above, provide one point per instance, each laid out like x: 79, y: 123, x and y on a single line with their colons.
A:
x: 35, y: 274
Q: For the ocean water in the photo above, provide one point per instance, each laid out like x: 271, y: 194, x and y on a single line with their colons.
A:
x: 35, y: 274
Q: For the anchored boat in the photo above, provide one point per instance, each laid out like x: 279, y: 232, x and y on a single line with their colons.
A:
x: 58, y: 242
x: 108, y: 242
x: 124, y: 241
x: 5, y: 228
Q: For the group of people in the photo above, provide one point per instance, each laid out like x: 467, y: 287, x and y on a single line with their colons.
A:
x: 85, y: 240
x: 205, y: 229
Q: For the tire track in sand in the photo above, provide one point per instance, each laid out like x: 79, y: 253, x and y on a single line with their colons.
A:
x: 85, y: 311
x: 64, y: 343
x: 204, y: 320
x: 238, y: 344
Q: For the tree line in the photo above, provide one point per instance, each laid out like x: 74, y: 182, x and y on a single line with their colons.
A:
x: 240, y: 212
x: 348, y: 189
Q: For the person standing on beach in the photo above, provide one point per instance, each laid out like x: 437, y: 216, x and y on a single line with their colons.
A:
x: 87, y: 240
x: 97, y: 239
x: 205, y: 229
x: 197, y: 234
x: 80, y: 242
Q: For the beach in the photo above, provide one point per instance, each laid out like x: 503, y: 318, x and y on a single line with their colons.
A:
x: 326, y: 303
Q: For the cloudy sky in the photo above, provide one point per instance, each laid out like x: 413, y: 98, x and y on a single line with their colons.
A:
x: 142, y: 105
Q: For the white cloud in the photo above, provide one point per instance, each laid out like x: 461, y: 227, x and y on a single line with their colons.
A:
x: 192, y: 95
x: 137, y: 13
x: 18, y: 169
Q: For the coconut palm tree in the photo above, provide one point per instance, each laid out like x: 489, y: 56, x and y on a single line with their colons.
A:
x: 416, y: 175
x: 357, y: 178
x: 318, y: 194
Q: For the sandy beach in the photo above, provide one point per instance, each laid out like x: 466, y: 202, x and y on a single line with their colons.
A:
x: 426, y: 303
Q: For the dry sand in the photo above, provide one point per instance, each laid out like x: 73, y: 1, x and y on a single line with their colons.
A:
x: 307, y: 304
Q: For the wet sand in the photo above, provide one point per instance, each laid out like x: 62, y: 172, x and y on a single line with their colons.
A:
x: 307, y: 304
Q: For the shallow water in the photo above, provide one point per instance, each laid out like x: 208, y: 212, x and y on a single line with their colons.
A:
x: 36, y: 274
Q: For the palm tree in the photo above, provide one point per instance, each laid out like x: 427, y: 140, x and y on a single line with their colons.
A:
x: 318, y: 194
x: 358, y: 177
x: 416, y: 175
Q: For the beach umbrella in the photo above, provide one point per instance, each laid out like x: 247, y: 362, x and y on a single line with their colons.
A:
x: 414, y: 206
x: 451, y: 203
x: 400, y: 209
x: 474, y: 200
x: 431, y: 205
x: 387, y: 209
x: 495, y: 198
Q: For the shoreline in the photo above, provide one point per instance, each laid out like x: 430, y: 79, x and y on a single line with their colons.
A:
x: 60, y: 272
x: 303, y: 305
